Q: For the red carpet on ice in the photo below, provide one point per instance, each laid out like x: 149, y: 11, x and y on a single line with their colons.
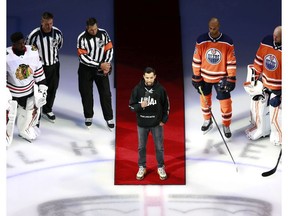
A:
x: 146, y: 35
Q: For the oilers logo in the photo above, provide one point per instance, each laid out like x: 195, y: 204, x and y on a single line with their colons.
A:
x: 270, y: 62
x: 213, y: 56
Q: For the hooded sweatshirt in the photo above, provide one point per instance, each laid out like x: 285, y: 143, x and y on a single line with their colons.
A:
x: 158, y: 104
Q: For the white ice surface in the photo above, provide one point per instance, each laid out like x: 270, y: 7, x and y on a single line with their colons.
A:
x: 69, y: 170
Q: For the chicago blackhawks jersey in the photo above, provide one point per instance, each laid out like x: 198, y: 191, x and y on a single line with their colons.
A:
x: 214, y: 58
x: 268, y: 61
x: 23, y: 71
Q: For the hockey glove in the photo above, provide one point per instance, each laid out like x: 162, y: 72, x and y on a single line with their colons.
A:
x: 40, y: 94
x: 197, y: 81
x: 227, y: 84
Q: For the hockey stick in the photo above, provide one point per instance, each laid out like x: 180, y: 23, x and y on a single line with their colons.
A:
x: 202, y: 94
x: 272, y: 171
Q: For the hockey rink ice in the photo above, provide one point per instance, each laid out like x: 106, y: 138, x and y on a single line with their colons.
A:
x: 69, y: 169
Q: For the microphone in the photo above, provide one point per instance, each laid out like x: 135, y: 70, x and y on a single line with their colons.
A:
x: 145, y: 99
x: 146, y: 96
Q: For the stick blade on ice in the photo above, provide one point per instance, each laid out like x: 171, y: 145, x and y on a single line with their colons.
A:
x: 272, y: 171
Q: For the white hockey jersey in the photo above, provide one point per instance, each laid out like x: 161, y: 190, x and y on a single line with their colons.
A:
x: 23, y: 71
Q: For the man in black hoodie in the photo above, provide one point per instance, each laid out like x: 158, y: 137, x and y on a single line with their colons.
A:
x: 150, y: 102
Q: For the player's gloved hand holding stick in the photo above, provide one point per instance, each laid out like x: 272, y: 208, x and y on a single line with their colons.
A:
x: 197, y: 81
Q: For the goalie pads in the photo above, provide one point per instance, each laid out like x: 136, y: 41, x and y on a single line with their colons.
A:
x: 275, y: 122
x: 40, y: 95
x: 11, y: 112
x: 260, y: 122
x: 259, y: 107
x: 27, y: 120
x: 11, y: 117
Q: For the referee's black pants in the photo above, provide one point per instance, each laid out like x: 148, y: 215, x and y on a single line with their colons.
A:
x: 86, y: 77
x: 52, y: 75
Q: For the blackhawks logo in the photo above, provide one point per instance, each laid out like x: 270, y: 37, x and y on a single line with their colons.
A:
x: 23, y: 72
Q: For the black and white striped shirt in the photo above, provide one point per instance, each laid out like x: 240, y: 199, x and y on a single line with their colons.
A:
x: 48, y: 44
x: 94, y: 49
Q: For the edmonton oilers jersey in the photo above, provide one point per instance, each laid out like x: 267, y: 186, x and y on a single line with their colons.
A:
x: 268, y: 61
x: 214, y: 58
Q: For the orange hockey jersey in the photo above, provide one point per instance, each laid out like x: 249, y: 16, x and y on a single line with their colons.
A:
x: 268, y: 61
x: 214, y: 58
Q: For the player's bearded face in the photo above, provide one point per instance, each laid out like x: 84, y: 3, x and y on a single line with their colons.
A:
x: 149, y: 78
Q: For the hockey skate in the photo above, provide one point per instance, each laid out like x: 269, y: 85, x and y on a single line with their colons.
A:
x: 207, y: 126
x: 49, y: 116
x: 227, y: 131
x: 110, y: 124
x: 88, y: 122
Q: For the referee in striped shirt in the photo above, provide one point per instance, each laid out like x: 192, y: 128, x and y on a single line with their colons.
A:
x: 95, y: 52
x: 49, y: 40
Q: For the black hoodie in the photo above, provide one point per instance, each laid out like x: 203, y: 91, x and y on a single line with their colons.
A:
x: 158, y: 104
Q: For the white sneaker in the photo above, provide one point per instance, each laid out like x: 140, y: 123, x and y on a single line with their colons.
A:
x: 141, y: 173
x: 162, y: 173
